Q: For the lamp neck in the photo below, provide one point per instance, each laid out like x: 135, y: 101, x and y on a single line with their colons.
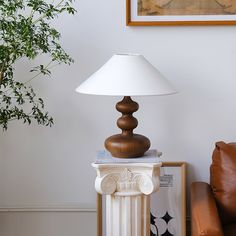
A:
x: 127, y: 123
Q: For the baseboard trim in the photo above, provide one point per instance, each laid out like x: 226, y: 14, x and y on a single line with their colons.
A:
x: 47, y: 208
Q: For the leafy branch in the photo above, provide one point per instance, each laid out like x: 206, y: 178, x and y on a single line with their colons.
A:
x: 26, y: 32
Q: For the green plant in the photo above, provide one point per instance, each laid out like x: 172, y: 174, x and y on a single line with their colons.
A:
x: 26, y: 32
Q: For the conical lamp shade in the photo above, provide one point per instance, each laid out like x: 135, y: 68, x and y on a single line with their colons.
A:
x: 126, y: 75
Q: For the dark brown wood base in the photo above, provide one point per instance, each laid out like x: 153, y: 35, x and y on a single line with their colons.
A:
x: 127, y: 144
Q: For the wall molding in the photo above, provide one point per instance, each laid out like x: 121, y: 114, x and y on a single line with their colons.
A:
x: 48, y: 208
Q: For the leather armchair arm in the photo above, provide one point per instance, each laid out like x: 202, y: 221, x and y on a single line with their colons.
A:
x: 205, y: 220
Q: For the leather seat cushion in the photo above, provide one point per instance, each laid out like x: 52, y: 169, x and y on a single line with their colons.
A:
x: 223, y: 180
x: 230, y: 230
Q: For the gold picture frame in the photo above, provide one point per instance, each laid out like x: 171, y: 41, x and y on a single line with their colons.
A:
x: 216, y: 12
x: 168, y: 168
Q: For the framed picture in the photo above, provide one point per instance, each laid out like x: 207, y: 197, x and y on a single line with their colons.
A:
x: 180, y: 12
x: 168, y: 205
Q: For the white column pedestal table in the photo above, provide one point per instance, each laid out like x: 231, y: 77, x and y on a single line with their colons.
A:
x: 127, y: 187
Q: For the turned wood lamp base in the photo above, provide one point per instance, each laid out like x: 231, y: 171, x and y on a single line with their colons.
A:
x: 127, y: 144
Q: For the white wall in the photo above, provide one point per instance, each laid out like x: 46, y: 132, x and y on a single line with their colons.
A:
x: 47, y: 223
x: 41, y: 166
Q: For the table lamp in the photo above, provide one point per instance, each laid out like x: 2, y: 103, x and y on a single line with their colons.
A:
x: 127, y: 75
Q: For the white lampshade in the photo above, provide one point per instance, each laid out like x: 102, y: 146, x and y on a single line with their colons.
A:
x: 127, y: 75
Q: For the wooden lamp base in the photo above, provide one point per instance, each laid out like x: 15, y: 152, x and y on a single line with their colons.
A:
x: 127, y: 144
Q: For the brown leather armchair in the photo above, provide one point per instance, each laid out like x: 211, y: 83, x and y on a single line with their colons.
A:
x: 213, y: 206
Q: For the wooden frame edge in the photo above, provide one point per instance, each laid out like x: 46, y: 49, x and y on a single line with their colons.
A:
x: 181, y: 23
x: 99, y: 214
x: 128, y: 16
x: 129, y: 21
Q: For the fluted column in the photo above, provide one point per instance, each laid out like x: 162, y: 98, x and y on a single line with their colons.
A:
x: 127, y: 188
